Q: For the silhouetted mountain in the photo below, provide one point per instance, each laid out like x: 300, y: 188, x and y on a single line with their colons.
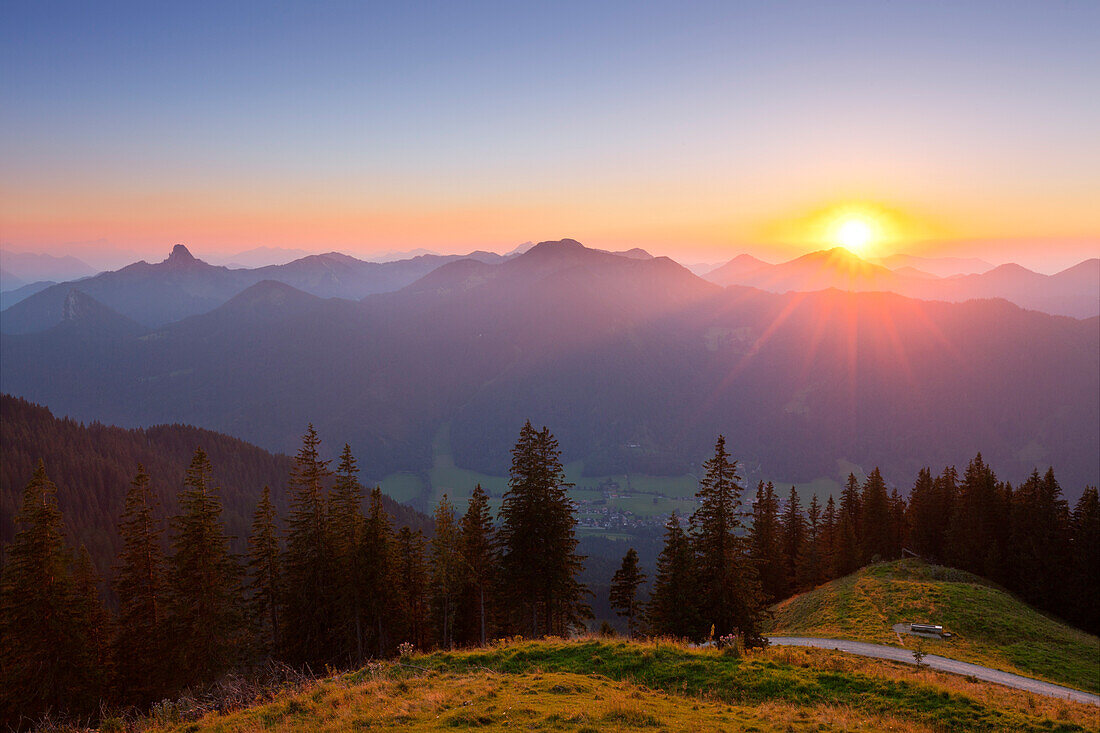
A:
x: 1074, y: 292
x: 84, y: 316
x: 937, y: 266
x: 10, y: 281
x: 34, y: 266
x: 259, y: 257
x: 94, y: 464
x: 635, y: 364
x: 11, y: 297
x: 182, y: 286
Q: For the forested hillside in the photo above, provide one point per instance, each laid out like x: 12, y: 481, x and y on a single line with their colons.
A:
x: 94, y: 464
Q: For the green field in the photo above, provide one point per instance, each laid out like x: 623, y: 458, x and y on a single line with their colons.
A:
x: 989, y: 626
x: 592, y: 685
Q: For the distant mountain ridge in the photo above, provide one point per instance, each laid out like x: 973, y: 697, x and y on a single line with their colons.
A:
x: 93, y: 464
x: 182, y: 285
x: 1073, y: 292
x: 635, y: 364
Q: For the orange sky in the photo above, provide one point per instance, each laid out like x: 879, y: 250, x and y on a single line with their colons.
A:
x: 698, y: 131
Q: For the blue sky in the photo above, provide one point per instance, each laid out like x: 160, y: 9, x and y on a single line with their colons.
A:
x: 679, y: 125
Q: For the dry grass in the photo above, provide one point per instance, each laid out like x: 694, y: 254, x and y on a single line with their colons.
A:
x: 594, y: 685
x: 990, y: 626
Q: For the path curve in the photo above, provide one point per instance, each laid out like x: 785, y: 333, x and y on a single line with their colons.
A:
x: 988, y: 674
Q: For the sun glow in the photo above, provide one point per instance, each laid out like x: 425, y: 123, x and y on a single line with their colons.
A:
x: 855, y: 234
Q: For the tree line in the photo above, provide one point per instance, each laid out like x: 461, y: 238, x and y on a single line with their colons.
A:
x: 328, y: 584
x: 332, y: 581
x: 1023, y: 537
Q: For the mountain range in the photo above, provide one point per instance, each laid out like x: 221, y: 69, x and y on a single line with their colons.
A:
x: 636, y: 364
x: 1072, y: 292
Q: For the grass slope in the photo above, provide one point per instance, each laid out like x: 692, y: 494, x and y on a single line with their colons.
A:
x: 599, y: 685
x: 990, y: 626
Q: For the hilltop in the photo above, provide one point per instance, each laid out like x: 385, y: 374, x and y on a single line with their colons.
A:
x: 605, y: 685
x: 989, y: 625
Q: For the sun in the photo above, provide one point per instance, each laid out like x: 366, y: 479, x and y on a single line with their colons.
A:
x: 855, y: 234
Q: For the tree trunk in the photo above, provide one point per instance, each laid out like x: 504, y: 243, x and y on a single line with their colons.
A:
x: 482, y: 595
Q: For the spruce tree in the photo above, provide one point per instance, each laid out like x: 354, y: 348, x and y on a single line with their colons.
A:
x: 539, y: 562
x: 926, y: 517
x: 378, y: 558
x: 1084, y: 540
x: 447, y: 570
x: 37, y: 617
x: 875, y: 519
x: 899, y: 524
x: 672, y: 608
x: 205, y: 618
x: 846, y: 552
x: 766, y: 543
x: 971, y: 542
x: 309, y: 580
x: 412, y: 587
x: 264, y: 576
x: 793, y: 538
x: 1041, y: 541
x: 731, y: 599
x: 624, y: 591
x: 92, y: 638
x: 830, y: 543
x: 808, y: 567
x: 479, y: 557
x: 346, y: 527
x: 140, y: 585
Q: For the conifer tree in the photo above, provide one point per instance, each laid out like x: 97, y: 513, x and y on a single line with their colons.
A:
x: 141, y: 587
x: 794, y: 536
x: 92, y: 636
x: 37, y: 617
x: 479, y: 556
x: 447, y: 570
x: 539, y: 562
x: 1041, y: 540
x: 846, y: 552
x: 1084, y: 540
x: 926, y: 517
x: 624, y: 591
x: 729, y: 592
x: 346, y: 527
x: 308, y: 572
x: 766, y: 543
x: 379, y: 560
x: 672, y: 607
x: 899, y: 525
x: 875, y: 519
x: 809, y: 563
x: 204, y: 603
x: 972, y: 534
x: 830, y: 543
x: 264, y: 576
x: 412, y: 587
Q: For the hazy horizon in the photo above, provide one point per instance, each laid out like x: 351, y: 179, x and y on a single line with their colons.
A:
x: 964, y: 129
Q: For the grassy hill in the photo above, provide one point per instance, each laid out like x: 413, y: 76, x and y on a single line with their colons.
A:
x: 605, y: 685
x: 990, y: 626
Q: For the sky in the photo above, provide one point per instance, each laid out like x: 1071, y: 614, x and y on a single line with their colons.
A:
x: 698, y: 130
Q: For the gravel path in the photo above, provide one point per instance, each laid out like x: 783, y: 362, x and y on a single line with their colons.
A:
x: 987, y: 674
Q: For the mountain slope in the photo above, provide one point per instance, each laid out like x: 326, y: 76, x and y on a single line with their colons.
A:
x: 93, y: 465
x: 1074, y: 292
x: 636, y: 365
x: 181, y: 286
x: 989, y: 626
